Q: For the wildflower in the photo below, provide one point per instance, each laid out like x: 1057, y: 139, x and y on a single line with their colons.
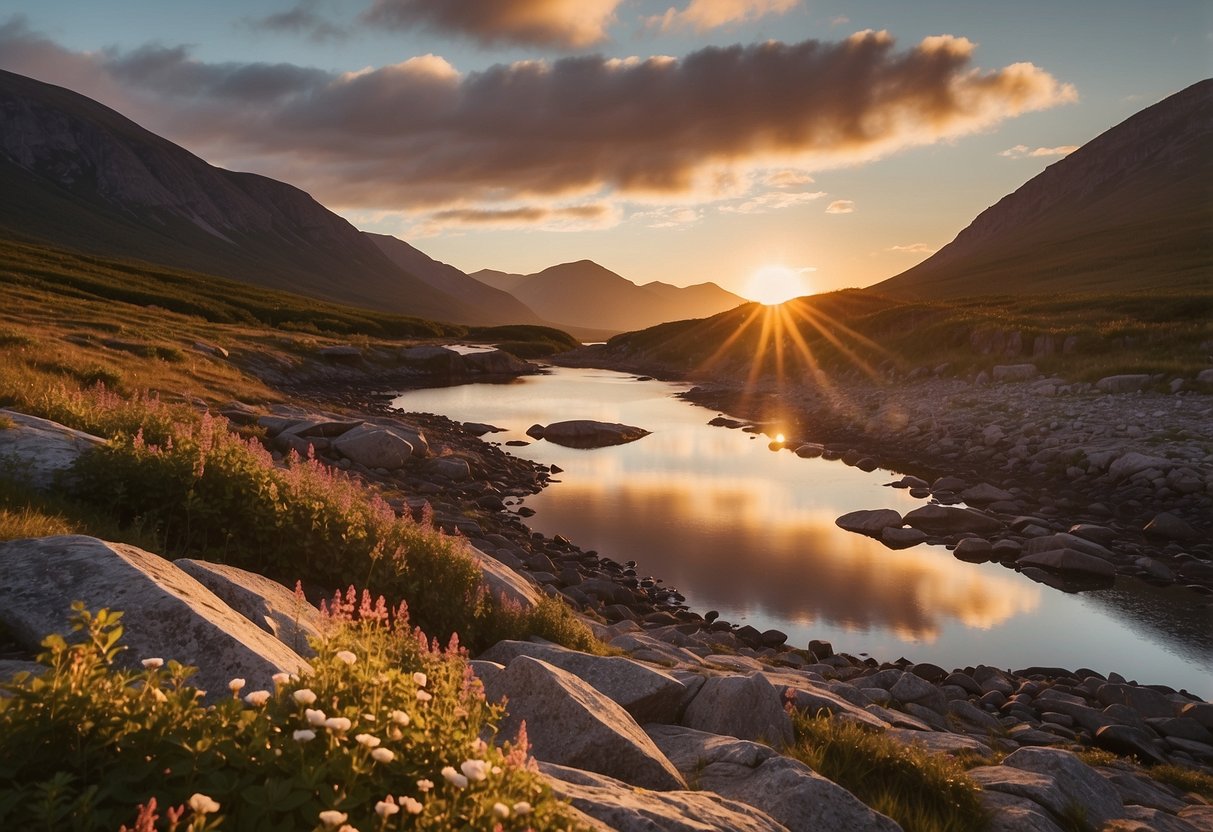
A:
x: 337, y: 723
x: 386, y: 808
x: 235, y: 685
x: 331, y: 817
x: 420, y: 679
x: 424, y: 785
x: 314, y: 718
x: 367, y: 740
x: 394, y: 734
x: 383, y: 755
x: 413, y: 807
x: 475, y: 770
x: 496, y: 769
x: 202, y: 805
x: 281, y: 678
x: 159, y: 695
x: 304, y: 696
x: 153, y: 663
x: 257, y: 698
x: 346, y: 656
x: 369, y: 717
x: 479, y: 746
x: 501, y: 810
x: 454, y: 778
x: 400, y: 718
x: 304, y: 735
x: 522, y: 808
x: 423, y: 696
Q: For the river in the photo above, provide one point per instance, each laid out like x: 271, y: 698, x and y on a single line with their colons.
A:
x: 750, y: 533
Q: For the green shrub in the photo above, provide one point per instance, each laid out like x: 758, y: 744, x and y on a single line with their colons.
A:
x: 923, y: 792
x: 386, y: 731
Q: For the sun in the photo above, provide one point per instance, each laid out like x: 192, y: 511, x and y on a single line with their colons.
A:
x: 772, y: 285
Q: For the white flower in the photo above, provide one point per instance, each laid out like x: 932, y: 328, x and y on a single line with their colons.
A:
x: 475, y: 770
x: 314, y: 718
x: 304, y: 735
x: 454, y: 778
x: 479, y: 746
x: 420, y: 679
x: 496, y: 769
x: 367, y: 740
x: 281, y: 678
x: 386, y: 808
x: 202, y: 805
x: 153, y: 663
x: 331, y: 817
x: 413, y: 807
x: 423, y: 696
x: 346, y: 656
x: 369, y: 717
x: 394, y: 733
x: 400, y: 718
x: 257, y: 698
x: 383, y: 755
x: 235, y: 685
x: 522, y: 808
x: 501, y: 810
x: 425, y: 785
x: 304, y: 696
x: 337, y: 723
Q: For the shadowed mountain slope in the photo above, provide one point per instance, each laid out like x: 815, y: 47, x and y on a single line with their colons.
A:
x: 588, y: 295
x: 78, y: 174
x: 1131, y: 209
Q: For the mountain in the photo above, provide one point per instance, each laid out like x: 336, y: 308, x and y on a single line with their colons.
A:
x: 1132, y: 208
x: 78, y: 174
x: 452, y: 281
x: 585, y: 294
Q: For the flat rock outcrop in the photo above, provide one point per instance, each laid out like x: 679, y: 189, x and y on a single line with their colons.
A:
x: 36, y: 451
x: 746, y: 707
x: 167, y: 613
x: 587, y: 433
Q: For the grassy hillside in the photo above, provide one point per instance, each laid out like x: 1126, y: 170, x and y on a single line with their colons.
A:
x: 858, y: 332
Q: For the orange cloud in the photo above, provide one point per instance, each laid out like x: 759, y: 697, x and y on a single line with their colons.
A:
x: 913, y: 248
x: 841, y: 206
x: 772, y: 201
x: 565, y: 23
x: 421, y: 136
x: 1022, y: 151
x: 709, y: 14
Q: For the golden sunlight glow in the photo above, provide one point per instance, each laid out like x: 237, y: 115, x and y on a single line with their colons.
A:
x: 773, y: 285
x: 779, y: 437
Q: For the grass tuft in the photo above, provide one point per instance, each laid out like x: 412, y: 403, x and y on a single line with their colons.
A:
x: 1187, y: 779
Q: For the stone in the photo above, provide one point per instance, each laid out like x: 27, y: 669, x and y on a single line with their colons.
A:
x: 1142, y: 819
x: 1014, y: 372
x: 586, y: 433
x: 1169, y: 527
x: 570, y: 723
x: 898, y: 538
x: 648, y: 694
x: 746, y: 707
x: 1011, y: 813
x: 869, y: 522
x: 167, y: 613
x: 620, y: 808
x: 374, y: 447
x: 503, y: 582
x: 785, y: 789
x: 283, y: 614
x: 1142, y: 790
x: 974, y: 550
x: 813, y: 700
x: 1127, y: 739
x: 1069, y: 561
x: 809, y: 450
x: 36, y: 452
x: 1144, y: 701
x: 453, y: 468
x: 1133, y: 462
x: 938, y: 742
x: 1075, y: 781
x: 1125, y: 383
x: 341, y: 354
x: 933, y: 518
x: 497, y: 363
x: 984, y: 493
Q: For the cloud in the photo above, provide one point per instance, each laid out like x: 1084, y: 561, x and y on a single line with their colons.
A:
x: 561, y: 23
x: 422, y: 136
x: 772, y: 201
x: 787, y: 178
x: 1022, y: 151
x: 561, y: 218
x: 913, y: 248
x: 300, y: 19
x: 839, y: 20
x: 673, y: 217
x: 702, y: 15
x: 841, y: 206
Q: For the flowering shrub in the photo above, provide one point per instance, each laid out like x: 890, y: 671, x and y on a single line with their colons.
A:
x: 385, y: 734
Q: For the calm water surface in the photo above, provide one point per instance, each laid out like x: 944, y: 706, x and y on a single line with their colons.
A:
x: 740, y: 529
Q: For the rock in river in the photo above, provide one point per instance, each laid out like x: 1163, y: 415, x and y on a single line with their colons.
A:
x: 586, y: 433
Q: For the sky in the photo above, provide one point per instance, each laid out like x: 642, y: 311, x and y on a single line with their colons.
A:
x: 825, y: 142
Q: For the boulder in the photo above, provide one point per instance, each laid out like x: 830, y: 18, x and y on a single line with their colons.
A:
x: 280, y: 612
x: 621, y: 808
x: 1169, y: 527
x: 498, y: 363
x: 1069, y: 561
x: 1075, y: 782
x: 374, y: 447
x: 899, y: 538
x: 938, y: 742
x: 1010, y: 813
x: 984, y: 494
x: 1127, y: 739
x: 432, y: 359
x: 1014, y: 372
x: 502, y: 581
x: 746, y: 707
x: 649, y: 695
x: 35, y: 452
x: 1132, y: 463
x: 570, y: 723
x: 809, y: 450
x: 786, y: 789
x: 586, y: 433
x: 869, y: 522
x: 813, y: 700
x: 949, y: 519
x: 974, y: 550
x: 167, y: 613
x: 453, y: 468
x: 1126, y: 383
